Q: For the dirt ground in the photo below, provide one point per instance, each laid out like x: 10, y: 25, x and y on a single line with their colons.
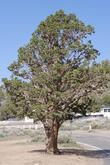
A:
x: 19, y: 152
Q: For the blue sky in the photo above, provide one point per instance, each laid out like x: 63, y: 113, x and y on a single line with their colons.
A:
x: 19, y: 18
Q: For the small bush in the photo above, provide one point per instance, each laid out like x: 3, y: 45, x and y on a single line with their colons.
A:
x: 38, y: 138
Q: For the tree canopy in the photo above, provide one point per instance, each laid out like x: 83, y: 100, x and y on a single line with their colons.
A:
x: 55, y: 72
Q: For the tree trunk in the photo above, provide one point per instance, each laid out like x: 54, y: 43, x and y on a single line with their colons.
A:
x: 51, y: 130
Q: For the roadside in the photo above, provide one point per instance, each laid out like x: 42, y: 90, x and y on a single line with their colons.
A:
x: 19, y: 151
x: 98, y: 138
x: 26, y: 147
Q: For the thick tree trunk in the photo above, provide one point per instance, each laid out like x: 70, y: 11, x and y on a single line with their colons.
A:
x: 51, y: 130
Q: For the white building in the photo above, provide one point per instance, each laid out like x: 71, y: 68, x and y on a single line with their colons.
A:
x: 105, y: 111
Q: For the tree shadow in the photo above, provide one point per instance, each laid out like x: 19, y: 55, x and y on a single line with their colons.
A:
x: 79, y: 152
x: 87, y: 153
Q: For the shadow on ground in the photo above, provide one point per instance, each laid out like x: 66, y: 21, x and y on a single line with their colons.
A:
x: 87, y: 153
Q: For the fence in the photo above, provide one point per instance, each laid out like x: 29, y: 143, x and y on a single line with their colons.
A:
x: 19, y: 124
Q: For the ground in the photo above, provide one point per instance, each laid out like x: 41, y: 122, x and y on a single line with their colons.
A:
x: 24, y: 145
x: 19, y: 151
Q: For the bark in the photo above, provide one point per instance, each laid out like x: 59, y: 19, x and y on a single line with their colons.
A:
x: 51, y: 130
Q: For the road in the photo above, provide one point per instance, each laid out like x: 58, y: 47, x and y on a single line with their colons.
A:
x: 100, y: 140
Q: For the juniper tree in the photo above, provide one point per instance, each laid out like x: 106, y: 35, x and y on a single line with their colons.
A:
x: 54, y: 72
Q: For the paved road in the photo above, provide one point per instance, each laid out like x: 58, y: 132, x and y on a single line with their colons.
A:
x: 101, y: 140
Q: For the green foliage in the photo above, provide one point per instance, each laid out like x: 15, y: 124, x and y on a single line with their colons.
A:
x: 1, y: 94
x: 7, y: 108
x: 18, y: 94
x: 56, y: 72
x: 102, y: 99
x: 105, y: 100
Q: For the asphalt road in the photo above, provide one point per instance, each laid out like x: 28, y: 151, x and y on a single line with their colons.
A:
x: 100, y: 140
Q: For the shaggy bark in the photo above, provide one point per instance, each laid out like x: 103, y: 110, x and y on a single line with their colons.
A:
x: 51, y: 130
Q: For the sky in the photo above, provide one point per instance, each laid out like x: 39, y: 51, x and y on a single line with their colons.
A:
x: 20, y: 18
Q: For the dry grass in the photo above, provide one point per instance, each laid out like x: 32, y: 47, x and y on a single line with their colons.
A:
x: 85, y: 123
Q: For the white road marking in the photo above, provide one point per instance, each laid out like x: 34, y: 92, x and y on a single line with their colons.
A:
x: 89, y: 146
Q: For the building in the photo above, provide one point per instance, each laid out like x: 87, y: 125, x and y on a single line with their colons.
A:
x: 106, y: 111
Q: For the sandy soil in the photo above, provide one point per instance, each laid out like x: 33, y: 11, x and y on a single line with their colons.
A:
x: 19, y: 152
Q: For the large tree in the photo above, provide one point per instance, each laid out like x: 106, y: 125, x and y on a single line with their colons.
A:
x: 54, y: 72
